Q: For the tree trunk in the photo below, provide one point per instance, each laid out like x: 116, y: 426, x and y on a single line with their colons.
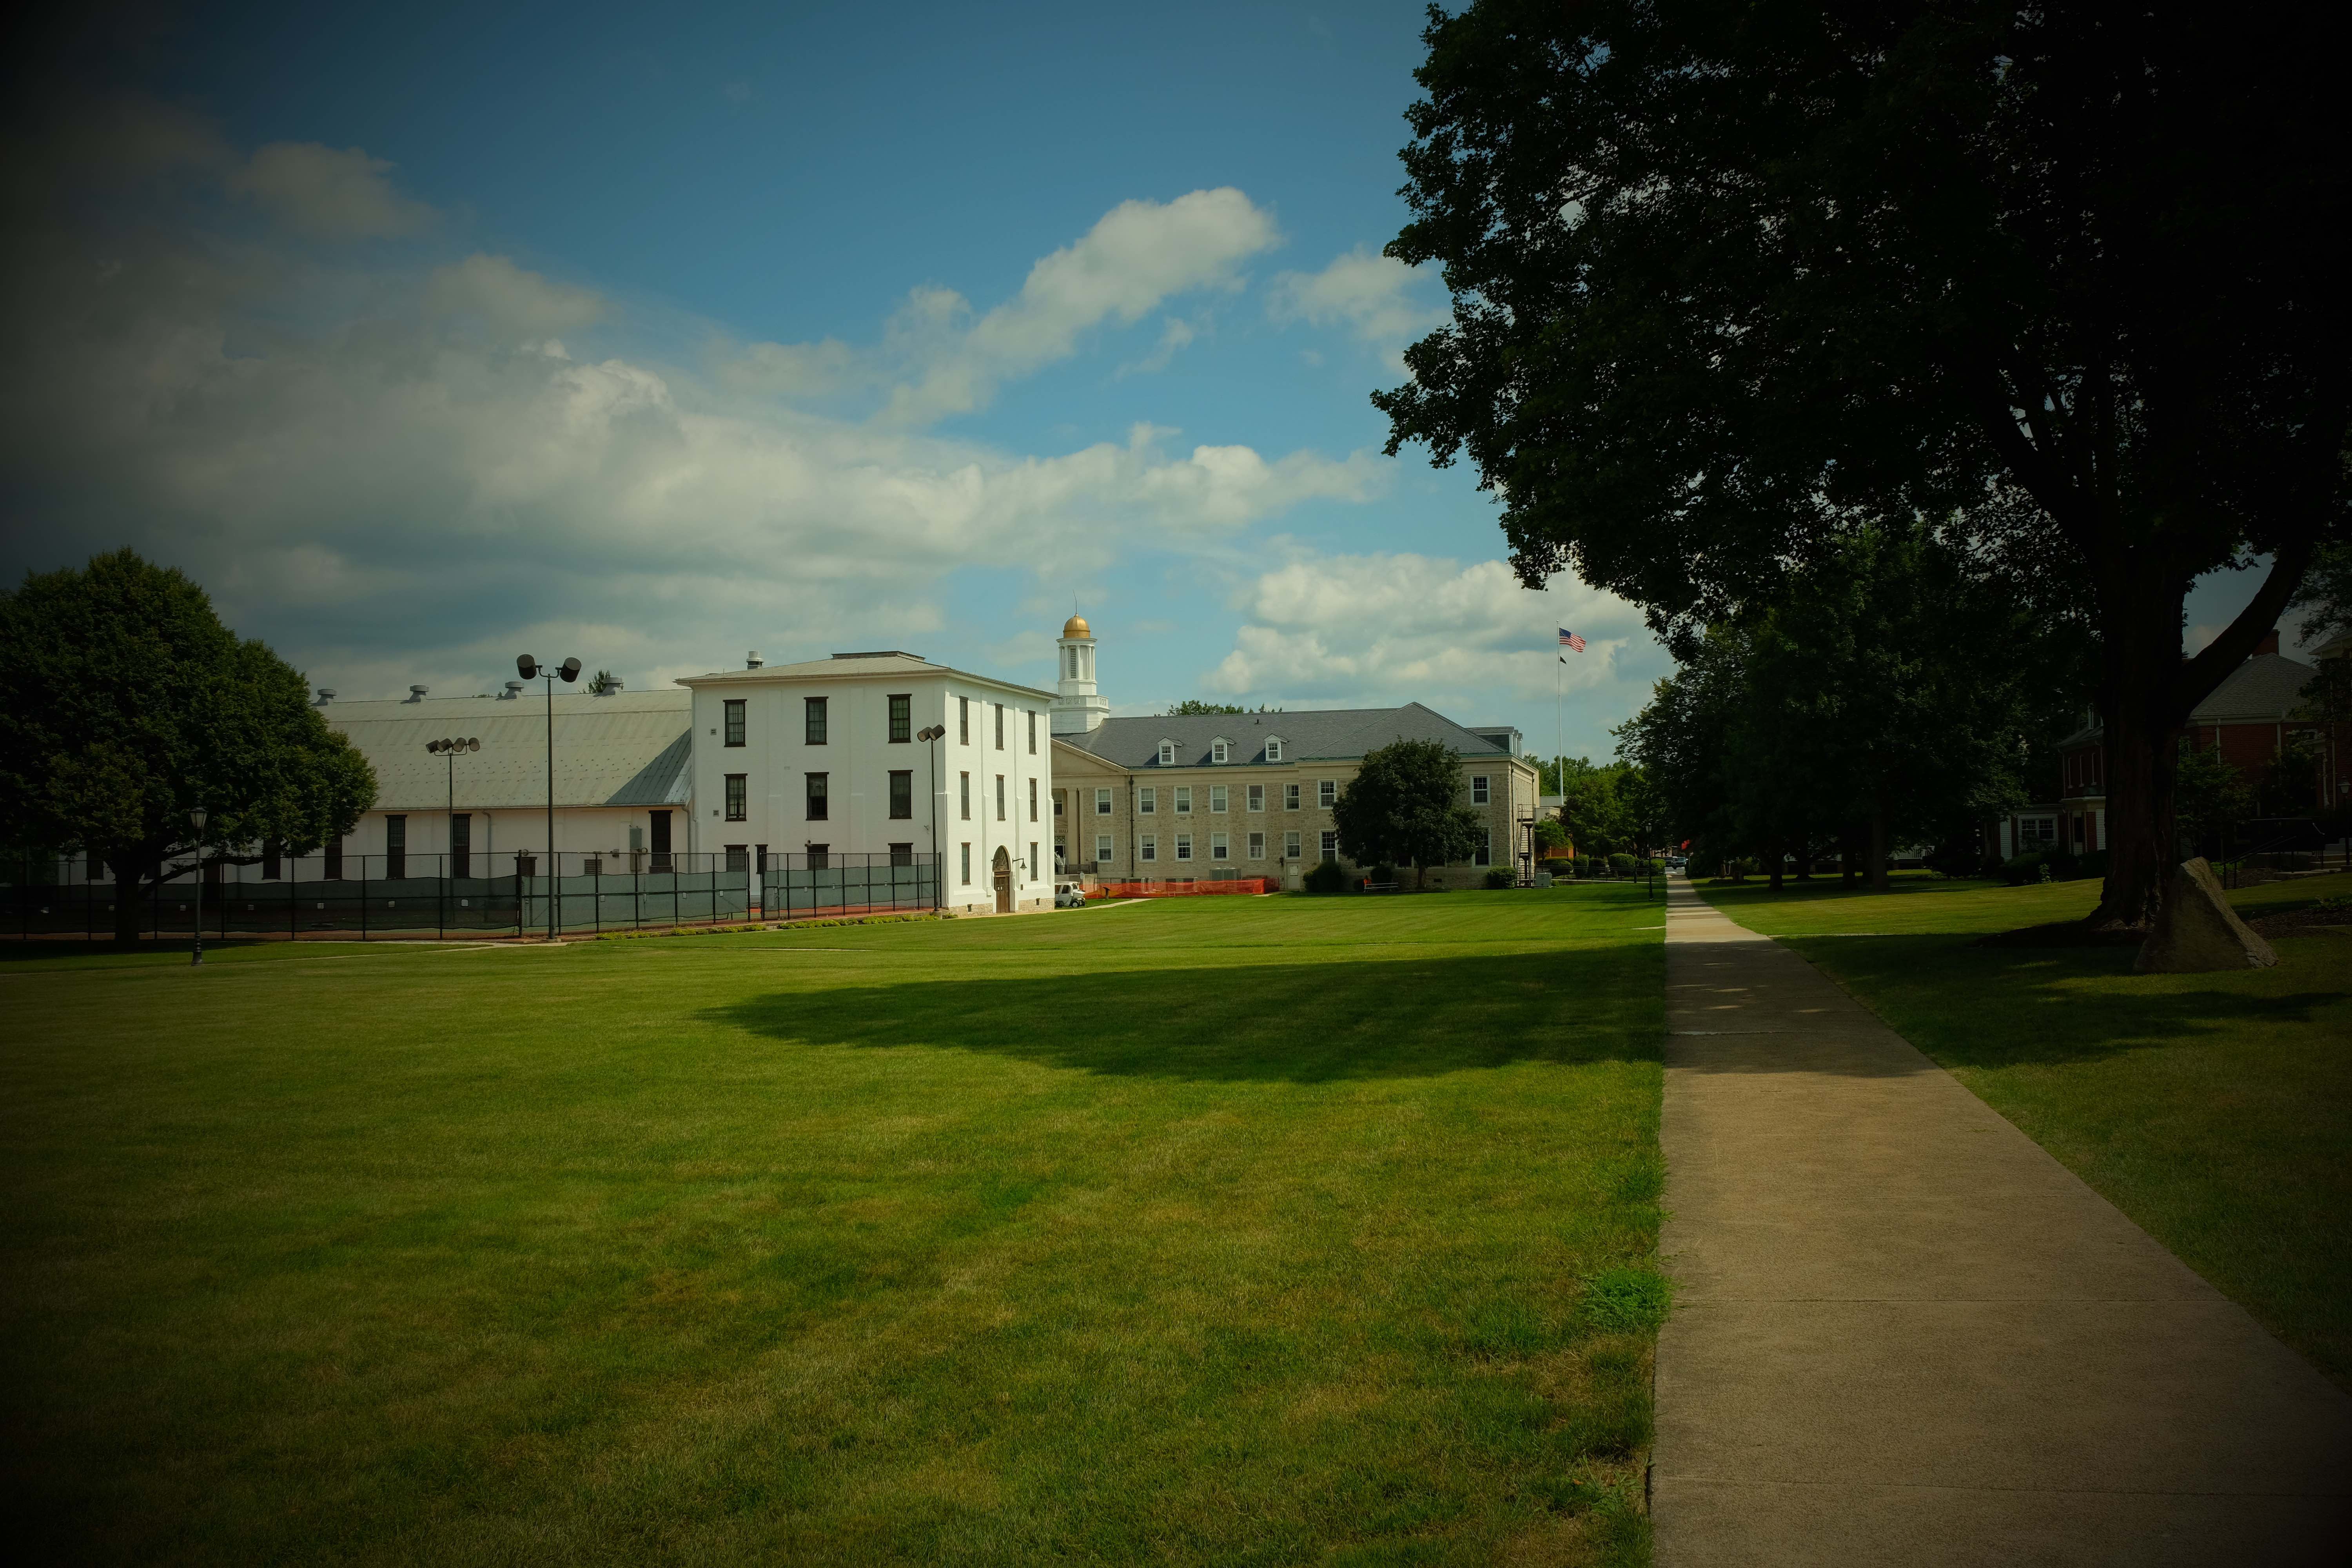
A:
x: 2143, y: 764
x: 1774, y: 850
x: 1879, y: 880
x: 129, y: 907
x: 1845, y: 856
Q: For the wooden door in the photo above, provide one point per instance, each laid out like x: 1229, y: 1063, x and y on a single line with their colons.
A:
x: 1004, y: 882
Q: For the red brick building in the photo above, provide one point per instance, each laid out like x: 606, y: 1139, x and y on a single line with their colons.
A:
x: 2249, y: 717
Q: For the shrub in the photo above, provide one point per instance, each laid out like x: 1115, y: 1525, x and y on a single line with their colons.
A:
x: 1622, y: 866
x: 1384, y: 873
x: 1327, y: 878
x: 2030, y: 866
x: 1702, y: 863
x: 1499, y: 877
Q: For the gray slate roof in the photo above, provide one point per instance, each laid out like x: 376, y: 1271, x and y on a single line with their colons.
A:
x: 2263, y: 687
x: 1336, y: 732
x: 632, y: 748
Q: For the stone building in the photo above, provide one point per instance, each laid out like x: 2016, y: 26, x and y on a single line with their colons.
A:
x: 1217, y: 796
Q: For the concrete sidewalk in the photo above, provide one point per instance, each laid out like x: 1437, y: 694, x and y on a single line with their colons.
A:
x: 1903, y: 1333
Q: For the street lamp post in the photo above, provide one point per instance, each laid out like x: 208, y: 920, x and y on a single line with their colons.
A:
x: 197, y: 819
x: 930, y: 737
x: 531, y: 669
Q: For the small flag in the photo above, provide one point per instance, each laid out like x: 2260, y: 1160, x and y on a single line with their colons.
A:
x: 1571, y: 640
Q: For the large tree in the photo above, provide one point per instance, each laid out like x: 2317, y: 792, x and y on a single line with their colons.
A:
x: 1404, y: 806
x: 124, y: 702
x: 1731, y: 280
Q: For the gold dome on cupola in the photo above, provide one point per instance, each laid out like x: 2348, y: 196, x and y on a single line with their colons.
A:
x: 1076, y: 626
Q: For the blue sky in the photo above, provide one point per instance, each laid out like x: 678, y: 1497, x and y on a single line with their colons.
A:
x: 427, y: 337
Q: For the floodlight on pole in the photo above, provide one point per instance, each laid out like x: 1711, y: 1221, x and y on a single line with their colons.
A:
x: 930, y: 735
x: 196, y: 820
x: 568, y: 672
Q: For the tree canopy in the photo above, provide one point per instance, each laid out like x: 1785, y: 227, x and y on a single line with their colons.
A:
x: 1196, y: 705
x: 1404, y: 807
x: 1896, y: 691
x: 124, y: 702
x: 1732, y: 282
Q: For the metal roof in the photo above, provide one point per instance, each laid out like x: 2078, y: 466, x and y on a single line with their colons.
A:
x: 857, y: 666
x: 1327, y: 734
x: 632, y: 748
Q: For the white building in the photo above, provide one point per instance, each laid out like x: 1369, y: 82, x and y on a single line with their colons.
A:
x: 621, y: 774
x: 821, y: 760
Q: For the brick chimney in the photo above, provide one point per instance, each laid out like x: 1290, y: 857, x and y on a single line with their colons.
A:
x: 2268, y: 645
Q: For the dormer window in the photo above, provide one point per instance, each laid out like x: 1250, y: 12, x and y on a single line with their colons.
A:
x: 1219, y: 750
x: 1167, y: 754
x: 1273, y: 747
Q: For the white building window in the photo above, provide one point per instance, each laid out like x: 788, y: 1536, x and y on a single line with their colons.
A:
x: 1167, y: 754
x: 1102, y: 802
x: 1290, y: 846
x: 1290, y: 797
x: 1327, y: 792
x: 1257, y: 797
x: 967, y: 864
x: 1257, y: 846
x: 1147, y: 846
x: 999, y: 797
x: 1183, y: 846
x: 1218, y: 847
x: 1184, y: 800
x: 1219, y: 750
x: 1273, y: 747
x: 1485, y: 853
x: 1330, y: 844
x: 1217, y: 799
x: 1102, y: 848
x: 1479, y: 794
x: 1147, y: 800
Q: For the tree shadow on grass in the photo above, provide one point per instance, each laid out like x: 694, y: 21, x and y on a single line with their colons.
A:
x: 1295, y: 1022
x: 1973, y: 1005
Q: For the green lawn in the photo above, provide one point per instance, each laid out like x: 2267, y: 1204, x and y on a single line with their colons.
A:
x: 1208, y: 1231
x: 2215, y: 1109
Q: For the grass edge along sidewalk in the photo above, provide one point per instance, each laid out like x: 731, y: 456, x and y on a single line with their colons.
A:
x: 2213, y: 1110
x: 1231, y: 1231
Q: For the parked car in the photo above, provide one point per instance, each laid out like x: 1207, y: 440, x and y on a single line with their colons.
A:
x: 1069, y: 896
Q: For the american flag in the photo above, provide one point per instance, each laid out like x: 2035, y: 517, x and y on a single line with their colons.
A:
x: 1570, y: 639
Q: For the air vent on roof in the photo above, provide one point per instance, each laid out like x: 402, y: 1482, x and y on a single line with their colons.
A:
x: 326, y: 695
x: 415, y: 694
x: 752, y: 660
x: 513, y: 690
x: 610, y: 688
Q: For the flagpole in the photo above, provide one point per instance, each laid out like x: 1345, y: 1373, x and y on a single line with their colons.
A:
x: 1560, y: 725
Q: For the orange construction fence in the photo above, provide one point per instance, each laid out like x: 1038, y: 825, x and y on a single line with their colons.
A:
x: 1174, y: 889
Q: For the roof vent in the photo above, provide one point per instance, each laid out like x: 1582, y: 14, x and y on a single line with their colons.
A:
x: 752, y: 660
x: 513, y: 690
x: 416, y: 694
x: 610, y: 688
x: 326, y: 695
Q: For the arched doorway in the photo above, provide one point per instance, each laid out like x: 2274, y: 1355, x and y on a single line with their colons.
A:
x: 1004, y: 882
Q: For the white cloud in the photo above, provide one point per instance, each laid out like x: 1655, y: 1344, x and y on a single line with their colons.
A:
x: 510, y: 302
x: 402, y: 473
x: 1175, y: 335
x: 326, y: 193
x: 1377, y: 297
x: 1404, y: 627
x: 1138, y: 254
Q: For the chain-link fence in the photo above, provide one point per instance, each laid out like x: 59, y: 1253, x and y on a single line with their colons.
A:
x: 385, y: 896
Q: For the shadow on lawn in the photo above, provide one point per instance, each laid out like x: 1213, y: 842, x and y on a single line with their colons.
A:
x: 1990, y: 1006
x: 1298, y: 1023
